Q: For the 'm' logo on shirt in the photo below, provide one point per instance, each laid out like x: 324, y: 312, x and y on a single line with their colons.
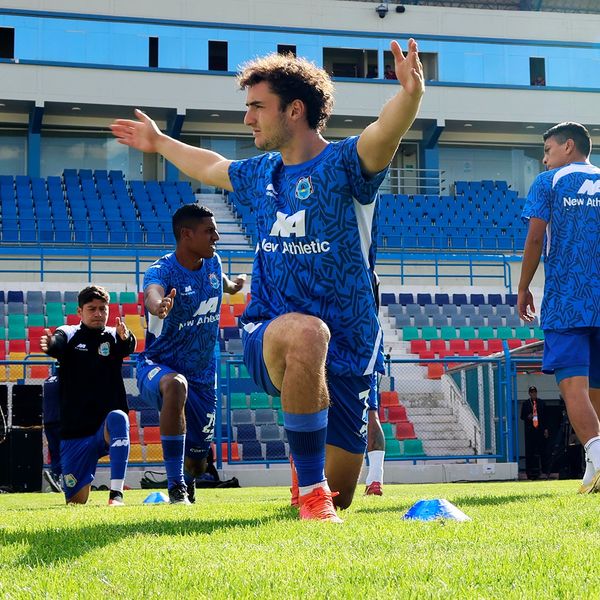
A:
x: 590, y: 187
x: 288, y: 225
x: 207, y: 306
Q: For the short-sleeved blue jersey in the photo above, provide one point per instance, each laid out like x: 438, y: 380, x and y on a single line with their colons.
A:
x: 568, y: 199
x: 185, y: 340
x: 316, y: 225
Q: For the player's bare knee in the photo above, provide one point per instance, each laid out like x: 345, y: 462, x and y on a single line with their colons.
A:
x: 310, y: 339
x: 174, y: 388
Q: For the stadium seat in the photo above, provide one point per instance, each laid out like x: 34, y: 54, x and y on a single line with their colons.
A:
x: 417, y: 346
x: 504, y: 333
x: 270, y: 432
x: 435, y: 370
x: 494, y: 299
x: 429, y: 333
x: 275, y: 450
x: 234, y: 449
x: 413, y: 447
x: 495, y: 345
x: 387, y: 399
x: 392, y: 448
x: 252, y: 451
x: 154, y: 453
x: 259, y: 400
x: 242, y: 416
x: 396, y: 414
x: 237, y: 400
x: 151, y: 435
x: 410, y: 333
x: 404, y: 299
x: 405, y: 430
x: 245, y: 433
x: 459, y: 299
x: 388, y: 431
x: 264, y: 416
x: 387, y: 298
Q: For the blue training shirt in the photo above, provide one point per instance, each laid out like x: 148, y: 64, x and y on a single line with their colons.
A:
x: 568, y: 199
x: 316, y: 225
x: 185, y: 340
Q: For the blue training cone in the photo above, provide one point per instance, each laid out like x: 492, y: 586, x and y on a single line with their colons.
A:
x: 438, y: 508
x: 156, y: 498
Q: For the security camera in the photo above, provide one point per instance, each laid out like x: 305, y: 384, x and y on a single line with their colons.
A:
x: 382, y: 10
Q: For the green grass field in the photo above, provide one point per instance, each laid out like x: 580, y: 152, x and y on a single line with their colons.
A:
x: 525, y: 540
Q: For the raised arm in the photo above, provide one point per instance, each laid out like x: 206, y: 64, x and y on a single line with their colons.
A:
x: 378, y: 143
x: 207, y: 166
x: 156, y: 302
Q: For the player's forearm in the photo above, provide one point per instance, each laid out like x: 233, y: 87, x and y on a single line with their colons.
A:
x: 198, y: 163
x: 531, y: 259
x: 229, y: 286
x: 153, y: 301
x: 380, y: 140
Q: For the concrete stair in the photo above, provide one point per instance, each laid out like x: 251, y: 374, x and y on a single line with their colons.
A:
x: 232, y: 234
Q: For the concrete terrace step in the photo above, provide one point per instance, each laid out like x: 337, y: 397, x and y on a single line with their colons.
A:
x: 431, y: 420
x: 420, y: 411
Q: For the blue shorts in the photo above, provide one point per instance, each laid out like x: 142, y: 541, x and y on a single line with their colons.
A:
x: 78, y: 459
x: 350, y: 396
x: 573, y: 352
x: 200, y: 407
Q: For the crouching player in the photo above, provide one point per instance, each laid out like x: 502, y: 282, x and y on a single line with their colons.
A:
x: 93, y: 404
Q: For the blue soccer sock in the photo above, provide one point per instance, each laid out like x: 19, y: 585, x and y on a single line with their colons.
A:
x: 117, y: 424
x: 173, y: 454
x: 306, y: 435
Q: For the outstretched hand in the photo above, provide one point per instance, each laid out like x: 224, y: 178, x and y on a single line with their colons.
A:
x: 166, y: 304
x: 142, y: 134
x: 409, y: 69
x: 238, y: 283
x: 121, y: 328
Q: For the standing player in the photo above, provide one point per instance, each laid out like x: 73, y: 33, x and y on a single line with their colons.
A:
x: 311, y: 331
x: 93, y: 404
x: 176, y: 372
x: 564, y: 204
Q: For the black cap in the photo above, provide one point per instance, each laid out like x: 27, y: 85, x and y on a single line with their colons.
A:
x: 532, y: 388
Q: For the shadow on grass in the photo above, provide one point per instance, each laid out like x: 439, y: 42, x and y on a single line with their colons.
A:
x: 67, y: 543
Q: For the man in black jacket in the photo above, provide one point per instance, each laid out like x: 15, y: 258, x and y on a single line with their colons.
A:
x: 93, y: 404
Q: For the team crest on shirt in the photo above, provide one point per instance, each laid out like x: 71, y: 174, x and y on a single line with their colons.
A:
x: 214, y: 280
x: 104, y: 349
x: 304, y: 188
x: 70, y: 480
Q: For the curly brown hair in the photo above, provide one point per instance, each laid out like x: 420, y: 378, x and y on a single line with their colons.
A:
x: 293, y: 78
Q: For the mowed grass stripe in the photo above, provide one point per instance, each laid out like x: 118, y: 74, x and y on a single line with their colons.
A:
x: 525, y: 540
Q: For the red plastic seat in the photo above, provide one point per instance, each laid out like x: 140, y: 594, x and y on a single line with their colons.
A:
x: 477, y: 345
x: 227, y: 320
x: 425, y: 354
x: 235, y: 452
x: 494, y: 346
x: 435, y: 370
x: 134, y: 435
x: 514, y: 343
x: 397, y: 414
x: 405, y: 431
x: 17, y: 346
x: 437, y: 346
x: 388, y: 399
x: 458, y: 346
x: 73, y: 320
x: 238, y: 309
x: 418, y: 346
x: 129, y: 309
x: 152, y: 435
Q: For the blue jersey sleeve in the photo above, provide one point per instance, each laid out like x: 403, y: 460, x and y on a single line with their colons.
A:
x: 245, y: 176
x: 363, y: 187
x: 539, y: 199
x: 158, y: 274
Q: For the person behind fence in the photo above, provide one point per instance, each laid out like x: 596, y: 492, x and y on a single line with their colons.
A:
x: 310, y: 332
x: 93, y: 403
x: 563, y: 205
x: 533, y: 415
x: 176, y: 372
x: 51, y: 417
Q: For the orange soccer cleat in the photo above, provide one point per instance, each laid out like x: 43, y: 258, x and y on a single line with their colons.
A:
x: 318, y: 505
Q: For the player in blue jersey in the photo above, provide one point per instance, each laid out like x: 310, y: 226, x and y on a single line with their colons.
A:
x: 177, y: 371
x: 311, y: 331
x: 564, y: 205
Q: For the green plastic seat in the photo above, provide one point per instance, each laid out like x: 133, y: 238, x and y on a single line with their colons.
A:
x: 523, y: 333
x: 392, y: 448
x: 36, y: 320
x: 410, y: 333
x: 243, y: 372
x: 55, y: 320
x: 276, y: 402
x: 486, y: 333
x: 466, y: 333
x: 504, y: 333
x: 448, y: 332
x: 71, y: 308
x: 127, y: 298
x: 538, y: 333
x: 279, y: 417
x: 2, y: 334
x: 237, y: 400
x: 413, y: 448
x: 113, y: 297
x: 259, y: 400
x: 16, y: 327
x: 388, y: 431
x: 429, y: 333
